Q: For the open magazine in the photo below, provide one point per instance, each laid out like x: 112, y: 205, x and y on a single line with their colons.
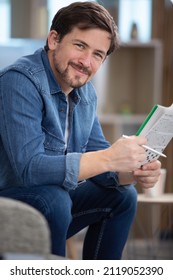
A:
x: 158, y: 129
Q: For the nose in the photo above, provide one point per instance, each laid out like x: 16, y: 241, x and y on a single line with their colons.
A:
x: 86, y: 59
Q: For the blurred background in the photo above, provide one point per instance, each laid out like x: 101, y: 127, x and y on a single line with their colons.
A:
x: 130, y: 82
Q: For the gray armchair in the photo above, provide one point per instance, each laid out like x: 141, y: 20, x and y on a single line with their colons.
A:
x: 23, y: 230
x: 24, y: 233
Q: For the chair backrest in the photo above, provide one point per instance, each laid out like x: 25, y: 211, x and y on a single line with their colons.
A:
x: 22, y: 229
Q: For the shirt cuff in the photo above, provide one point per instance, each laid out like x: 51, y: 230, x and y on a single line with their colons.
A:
x: 72, y: 171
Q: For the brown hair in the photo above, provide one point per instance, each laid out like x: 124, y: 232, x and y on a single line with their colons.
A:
x: 85, y: 15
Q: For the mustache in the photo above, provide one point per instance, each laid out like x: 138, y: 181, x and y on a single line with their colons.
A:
x: 82, y: 68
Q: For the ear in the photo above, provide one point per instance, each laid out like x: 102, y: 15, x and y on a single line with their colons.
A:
x: 52, y: 39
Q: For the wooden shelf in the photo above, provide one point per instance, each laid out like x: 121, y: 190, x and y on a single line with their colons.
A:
x: 115, y: 125
x: 129, y: 81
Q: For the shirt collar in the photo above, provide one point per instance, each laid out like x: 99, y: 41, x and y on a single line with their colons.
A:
x: 53, y: 84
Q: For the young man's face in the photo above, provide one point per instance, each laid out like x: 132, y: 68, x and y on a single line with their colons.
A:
x: 78, y: 56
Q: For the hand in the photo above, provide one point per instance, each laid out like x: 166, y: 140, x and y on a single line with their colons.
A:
x: 126, y: 155
x: 148, y: 175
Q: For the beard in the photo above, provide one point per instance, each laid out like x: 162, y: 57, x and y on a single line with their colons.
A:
x: 74, y: 82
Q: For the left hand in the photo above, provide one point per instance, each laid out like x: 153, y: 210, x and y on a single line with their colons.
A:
x: 148, y: 175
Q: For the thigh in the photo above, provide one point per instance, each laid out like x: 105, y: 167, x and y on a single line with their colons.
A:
x: 46, y: 199
x: 92, y: 196
x: 92, y: 203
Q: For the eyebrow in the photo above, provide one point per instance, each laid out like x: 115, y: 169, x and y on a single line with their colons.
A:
x: 86, y: 45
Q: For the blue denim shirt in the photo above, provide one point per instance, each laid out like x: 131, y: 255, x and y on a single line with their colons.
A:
x: 32, y: 127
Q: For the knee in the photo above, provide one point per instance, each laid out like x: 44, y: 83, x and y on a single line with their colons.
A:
x: 55, y: 204
x: 130, y: 198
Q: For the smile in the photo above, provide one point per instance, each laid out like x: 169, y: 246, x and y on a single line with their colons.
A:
x: 80, y: 68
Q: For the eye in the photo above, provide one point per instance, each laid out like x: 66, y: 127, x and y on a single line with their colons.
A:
x: 99, y: 56
x: 80, y: 46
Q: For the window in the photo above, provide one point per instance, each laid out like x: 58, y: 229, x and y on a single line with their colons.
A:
x: 135, y: 12
x: 5, y: 17
x: 54, y: 6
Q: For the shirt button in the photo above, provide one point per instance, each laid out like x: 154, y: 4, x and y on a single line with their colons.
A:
x: 61, y: 110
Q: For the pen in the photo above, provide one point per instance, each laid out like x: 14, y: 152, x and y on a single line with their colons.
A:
x: 148, y: 148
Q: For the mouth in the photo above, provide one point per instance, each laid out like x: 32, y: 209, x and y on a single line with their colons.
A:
x: 80, y: 69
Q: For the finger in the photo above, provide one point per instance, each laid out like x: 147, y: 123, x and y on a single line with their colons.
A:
x: 152, y: 165
x: 140, y: 140
x: 147, y: 182
x: 147, y: 173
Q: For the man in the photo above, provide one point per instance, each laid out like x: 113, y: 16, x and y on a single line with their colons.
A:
x: 53, y: 154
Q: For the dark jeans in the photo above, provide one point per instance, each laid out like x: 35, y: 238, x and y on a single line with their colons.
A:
x: 108, y: 212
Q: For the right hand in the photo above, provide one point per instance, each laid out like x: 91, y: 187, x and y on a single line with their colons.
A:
x: 126, y: 155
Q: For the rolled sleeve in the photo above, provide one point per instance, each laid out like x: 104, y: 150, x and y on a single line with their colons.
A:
x: 72, y: 171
